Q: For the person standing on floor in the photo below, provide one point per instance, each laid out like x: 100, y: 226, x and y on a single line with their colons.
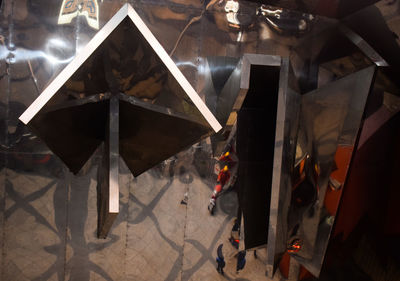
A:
x: 220, y: 260
x: 241, y: 261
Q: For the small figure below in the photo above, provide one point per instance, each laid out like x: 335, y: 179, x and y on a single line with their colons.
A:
x: 220, y: 260
x: 185, y: 199
x: 224, y: 175
x: 234, y: 239
x: 294, y: 246
x: 241, y: 261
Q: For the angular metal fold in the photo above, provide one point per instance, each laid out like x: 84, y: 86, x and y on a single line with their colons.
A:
x: 268, y: 119
x: 108, y: 173
x: 330, y: 121
x: 222, y: 96
x: 122, y: 89
x: 73, y: 130
x: 118, y: 24
x: 150, y: 134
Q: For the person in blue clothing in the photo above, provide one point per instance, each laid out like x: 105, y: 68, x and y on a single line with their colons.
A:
x: 220, y: 260
x: 241, y: 261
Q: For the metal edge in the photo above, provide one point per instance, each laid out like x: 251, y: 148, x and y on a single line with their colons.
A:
x: 255, y: 59
x: 113, y: 132
x: 73, y: 66
x: 278, y: 157
x: 309, y: 264
x: 363, y: 46
x: 169, y: 63
x: 157, y: 108
x: 77, y: 102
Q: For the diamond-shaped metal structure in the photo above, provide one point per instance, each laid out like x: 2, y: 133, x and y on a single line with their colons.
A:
x: 122, y: 89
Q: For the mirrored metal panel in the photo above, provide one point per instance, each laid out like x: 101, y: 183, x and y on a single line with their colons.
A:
x: 124, y: 90
x: 328, y: 8
x: 73, y: 130
x: 108, y: 172
x: 287, y: 123
x: 222, y: 95
x: 259, y: 143
x: 120, y: 58
x: 150, y: 134
x: 147, y: 69
x: 329, y: 56
x: 329, y: 124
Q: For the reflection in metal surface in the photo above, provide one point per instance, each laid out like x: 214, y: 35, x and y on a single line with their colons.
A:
x: 221, y: 91
x: 108, y: 172
x: 126, y: 19
x: 339, y: 8
x: 327, y: 57
x: 287, y: 123
x: 285, y: 21
x: 336, y: 123
x: 73, y: 130
x: 71, y: 9
x: 232, y: 9
x: 151, y: 135
x: 34, y: 48
x: 363, y: 46
x: 149, y: 121
x: 255, y: 143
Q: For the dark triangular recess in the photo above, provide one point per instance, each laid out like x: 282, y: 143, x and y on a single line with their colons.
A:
x: 151, y: 135
x: 73, y: 132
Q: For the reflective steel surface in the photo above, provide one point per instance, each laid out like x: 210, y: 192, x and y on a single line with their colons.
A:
x: 221, y: 91
x: 326, y: 131
x: 150, y: 136
x: 48, y: 212
x: 108, y: 173
x: 289, y: 104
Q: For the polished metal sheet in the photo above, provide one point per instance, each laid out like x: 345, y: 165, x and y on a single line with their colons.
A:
x: 149, y: 135
x: 38, y: 48
x: 4, y: 87
x: 35, y: 46
x: 288, y: 113
x: 149, y: 88
x: 375, y: 29
x: 148, y: 74
x: 326, y: 57
x: 222, y: 86
x: 43, y: 45
x: 328, y: 8
x: 221, y: 91
x: 73, y: 131
x: 142, y: 74
x: 176, y: 28
x: 363, y: 46
x: 108, y: 172
x: 379, y: 32
x: 322, y: 132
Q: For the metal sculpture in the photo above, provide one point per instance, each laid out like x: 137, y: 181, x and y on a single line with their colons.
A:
x: 143, y: 109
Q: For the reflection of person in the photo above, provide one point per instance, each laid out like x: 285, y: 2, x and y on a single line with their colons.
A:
x: 224, y: 175
x: 220, y: 260
x: 234, y: 239
x: 241, y: 261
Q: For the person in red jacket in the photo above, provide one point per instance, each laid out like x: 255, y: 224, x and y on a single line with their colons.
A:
x: 223, y: 177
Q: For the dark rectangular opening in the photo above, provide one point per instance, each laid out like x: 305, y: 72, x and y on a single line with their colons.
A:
x: 255, y: 147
